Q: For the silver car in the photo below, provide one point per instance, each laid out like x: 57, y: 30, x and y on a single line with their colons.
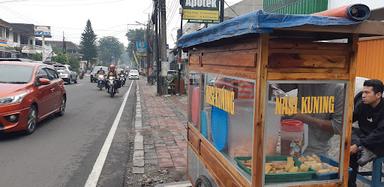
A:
x: 66, y: 73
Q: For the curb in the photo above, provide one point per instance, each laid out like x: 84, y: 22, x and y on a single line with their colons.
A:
x: 138, y: 154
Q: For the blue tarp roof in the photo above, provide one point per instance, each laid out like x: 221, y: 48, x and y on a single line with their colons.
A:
x: 256, y: 22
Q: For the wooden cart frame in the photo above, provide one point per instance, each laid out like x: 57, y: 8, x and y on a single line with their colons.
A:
x: 249, y: 56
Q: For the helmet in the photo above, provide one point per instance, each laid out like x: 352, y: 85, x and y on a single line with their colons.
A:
x: 112, y: 67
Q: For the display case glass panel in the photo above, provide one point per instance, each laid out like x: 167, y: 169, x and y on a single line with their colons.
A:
x: 227, y: 118
x: 304, y: 127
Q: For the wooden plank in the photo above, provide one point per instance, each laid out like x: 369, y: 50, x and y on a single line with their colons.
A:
x: 220, y: 167
x: 194, y: 59
x: 306, y: 76
x: 193, y: 138
x: 305, y: 70
x: 258, y: 131
x: 245, y: 58
x: 298, y: 60
x: 234, y: 72
x: 319, y: 185
x: 330, y: 52
x: 350, y: 93
x: 236, y: 45
x: 289, y: 44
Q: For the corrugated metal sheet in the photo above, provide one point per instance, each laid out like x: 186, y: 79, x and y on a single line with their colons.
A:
x: 370, y: 59
x: 295, y: 6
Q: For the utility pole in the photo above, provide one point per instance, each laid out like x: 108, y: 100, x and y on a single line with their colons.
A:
x: 221, y: 10
x: 157, y: 48
x: 163, y: 42
x: 64, y: 45
x: 179, y: 53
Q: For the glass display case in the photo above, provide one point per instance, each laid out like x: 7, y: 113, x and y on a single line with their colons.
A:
x: 304, y: 128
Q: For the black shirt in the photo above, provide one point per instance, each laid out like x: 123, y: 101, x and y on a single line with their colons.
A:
x: 371, y: 124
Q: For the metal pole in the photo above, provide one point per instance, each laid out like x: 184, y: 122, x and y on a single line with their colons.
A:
x: 158, y: 65
x: 221, y: 10
x: 179, y: 54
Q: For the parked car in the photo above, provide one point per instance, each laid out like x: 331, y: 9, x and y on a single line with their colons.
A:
x: 66, y: 73
x: 133, y: 74
x: 29, y: 92
x: 93, y: 77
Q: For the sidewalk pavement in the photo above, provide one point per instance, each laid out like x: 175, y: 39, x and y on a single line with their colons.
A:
x: 164, y: 120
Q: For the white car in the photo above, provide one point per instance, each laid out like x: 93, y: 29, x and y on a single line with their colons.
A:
x: 66, y: 73
x: 133, y: 74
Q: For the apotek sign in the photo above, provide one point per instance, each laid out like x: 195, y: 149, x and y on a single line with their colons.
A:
x: 201, y: 10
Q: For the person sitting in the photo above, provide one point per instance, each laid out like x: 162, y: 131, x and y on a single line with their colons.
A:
x: 100, y: 72
x: 112, y: 73
x: 368, y: 139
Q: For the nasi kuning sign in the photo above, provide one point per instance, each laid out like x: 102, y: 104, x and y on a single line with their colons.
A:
x: 201, y: 10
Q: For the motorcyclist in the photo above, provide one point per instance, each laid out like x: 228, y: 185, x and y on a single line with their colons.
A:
x: 100, y: 72
x: 112, y: 73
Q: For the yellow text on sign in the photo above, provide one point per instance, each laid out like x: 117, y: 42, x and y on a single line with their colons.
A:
x: 309, y: 105
x: 220, y: 98
x: 201, y: 14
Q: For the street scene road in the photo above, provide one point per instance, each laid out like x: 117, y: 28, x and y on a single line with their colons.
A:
x: 63, y: 150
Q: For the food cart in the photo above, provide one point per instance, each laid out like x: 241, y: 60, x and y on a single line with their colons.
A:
x: 270, y: 100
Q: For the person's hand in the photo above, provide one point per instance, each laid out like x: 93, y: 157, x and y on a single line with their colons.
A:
x: 354, y: 149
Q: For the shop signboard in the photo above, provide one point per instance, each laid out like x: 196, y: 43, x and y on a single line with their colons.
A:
x: 43, y: 31
x: 206, y: 11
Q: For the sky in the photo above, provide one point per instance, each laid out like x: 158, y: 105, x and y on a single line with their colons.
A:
x: 108, y: 17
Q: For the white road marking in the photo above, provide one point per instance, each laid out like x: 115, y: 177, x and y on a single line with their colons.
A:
x: 93, y: 177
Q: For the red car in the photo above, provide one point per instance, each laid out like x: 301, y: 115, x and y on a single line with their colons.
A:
x: 29, y: 92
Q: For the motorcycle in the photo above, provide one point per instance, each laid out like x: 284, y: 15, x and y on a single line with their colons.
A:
x: 112, y: 86
x: 122, y: 79
x: 101, y: 81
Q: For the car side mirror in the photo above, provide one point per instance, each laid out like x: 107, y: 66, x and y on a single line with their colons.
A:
x: 44, y: 81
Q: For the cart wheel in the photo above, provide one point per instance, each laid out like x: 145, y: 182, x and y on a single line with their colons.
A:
x: 203, y: 181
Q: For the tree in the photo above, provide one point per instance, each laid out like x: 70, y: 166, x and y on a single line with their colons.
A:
x: 60, y: 58
x: 133, y: 36
x: 110, y: 50
x: 88, y: 43
x: 37, y: 57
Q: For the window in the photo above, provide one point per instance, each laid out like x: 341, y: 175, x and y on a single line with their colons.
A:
x: 222, y: 109
x: 1, y: 32
x: 15, y: 38
x: 7, y: 33
x: 42, y: 74
x: 52, y: 75
x: 295, y: 135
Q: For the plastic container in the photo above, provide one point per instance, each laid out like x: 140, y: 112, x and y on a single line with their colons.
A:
x: 219, y: 128
x: 292, y: 135
x: 195, y: 106
x: 241, y: 128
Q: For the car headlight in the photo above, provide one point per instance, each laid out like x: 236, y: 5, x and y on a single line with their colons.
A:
x: 13, y: 99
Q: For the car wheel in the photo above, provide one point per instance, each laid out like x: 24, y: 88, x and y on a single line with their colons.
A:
x: 32, y: 120
x: 62, y: 107
x: 75, y: 81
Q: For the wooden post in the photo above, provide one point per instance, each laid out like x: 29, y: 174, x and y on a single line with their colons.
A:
x: 350, y: 93
x: 258, y: 131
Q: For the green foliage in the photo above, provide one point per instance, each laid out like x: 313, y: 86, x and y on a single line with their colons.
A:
x: 37, y: 57
x: 74, y: 62
x: 88, y: 43
x: 110, y: 50
x: 67, y: 59
x: 60, y: 58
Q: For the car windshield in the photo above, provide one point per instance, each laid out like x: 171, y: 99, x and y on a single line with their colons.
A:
x: 134, y: 72
x: 59, y: 67
x: 15, y: 74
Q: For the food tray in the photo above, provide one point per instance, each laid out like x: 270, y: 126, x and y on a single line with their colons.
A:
x: 284, y: 177
x: 331, y: 175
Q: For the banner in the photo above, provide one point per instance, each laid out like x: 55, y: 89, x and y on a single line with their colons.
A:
x: 201, y: 10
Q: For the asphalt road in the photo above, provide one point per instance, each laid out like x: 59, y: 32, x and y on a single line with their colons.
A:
x: 63, y: 150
